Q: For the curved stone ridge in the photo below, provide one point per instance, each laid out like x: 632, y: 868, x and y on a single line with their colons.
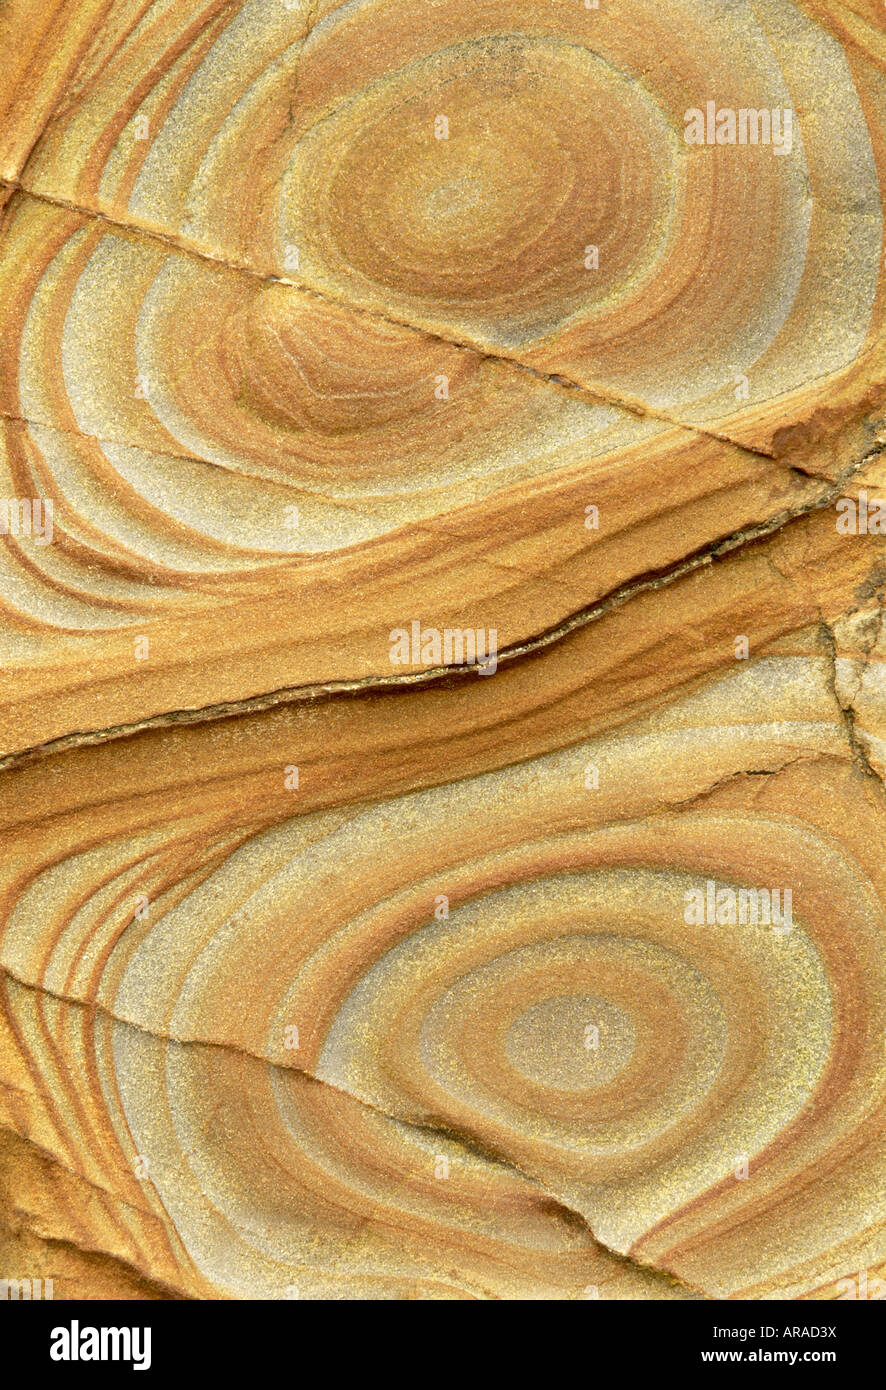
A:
x: 442, y: 581
x: 521, y: 964
x: 298, y: 295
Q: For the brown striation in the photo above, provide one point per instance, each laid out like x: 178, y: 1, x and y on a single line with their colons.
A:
x: 334, y: 336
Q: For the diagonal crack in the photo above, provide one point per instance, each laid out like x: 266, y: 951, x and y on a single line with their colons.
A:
x: 302, y: 694
x: 743, y: 774
x: 300, y: 487
x: 53, y: 428
x: 592, y: 393
x: 48, y: 1156
x: 474, y: 1145
x: 156, y: 1287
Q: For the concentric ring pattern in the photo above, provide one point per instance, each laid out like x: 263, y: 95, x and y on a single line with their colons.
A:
x: 333, y: 974
x: 282, y: 282
x: 475, y: 1013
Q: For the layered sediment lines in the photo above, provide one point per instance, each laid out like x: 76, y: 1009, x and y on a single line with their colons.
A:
x: 327, y: 974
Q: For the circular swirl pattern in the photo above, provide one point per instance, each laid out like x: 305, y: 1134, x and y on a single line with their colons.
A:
x: 320, y: 319
x: 296, y: 294
x: 498, y: 983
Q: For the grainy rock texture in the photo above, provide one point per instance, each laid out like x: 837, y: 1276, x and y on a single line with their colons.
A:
x: 442, y: 649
